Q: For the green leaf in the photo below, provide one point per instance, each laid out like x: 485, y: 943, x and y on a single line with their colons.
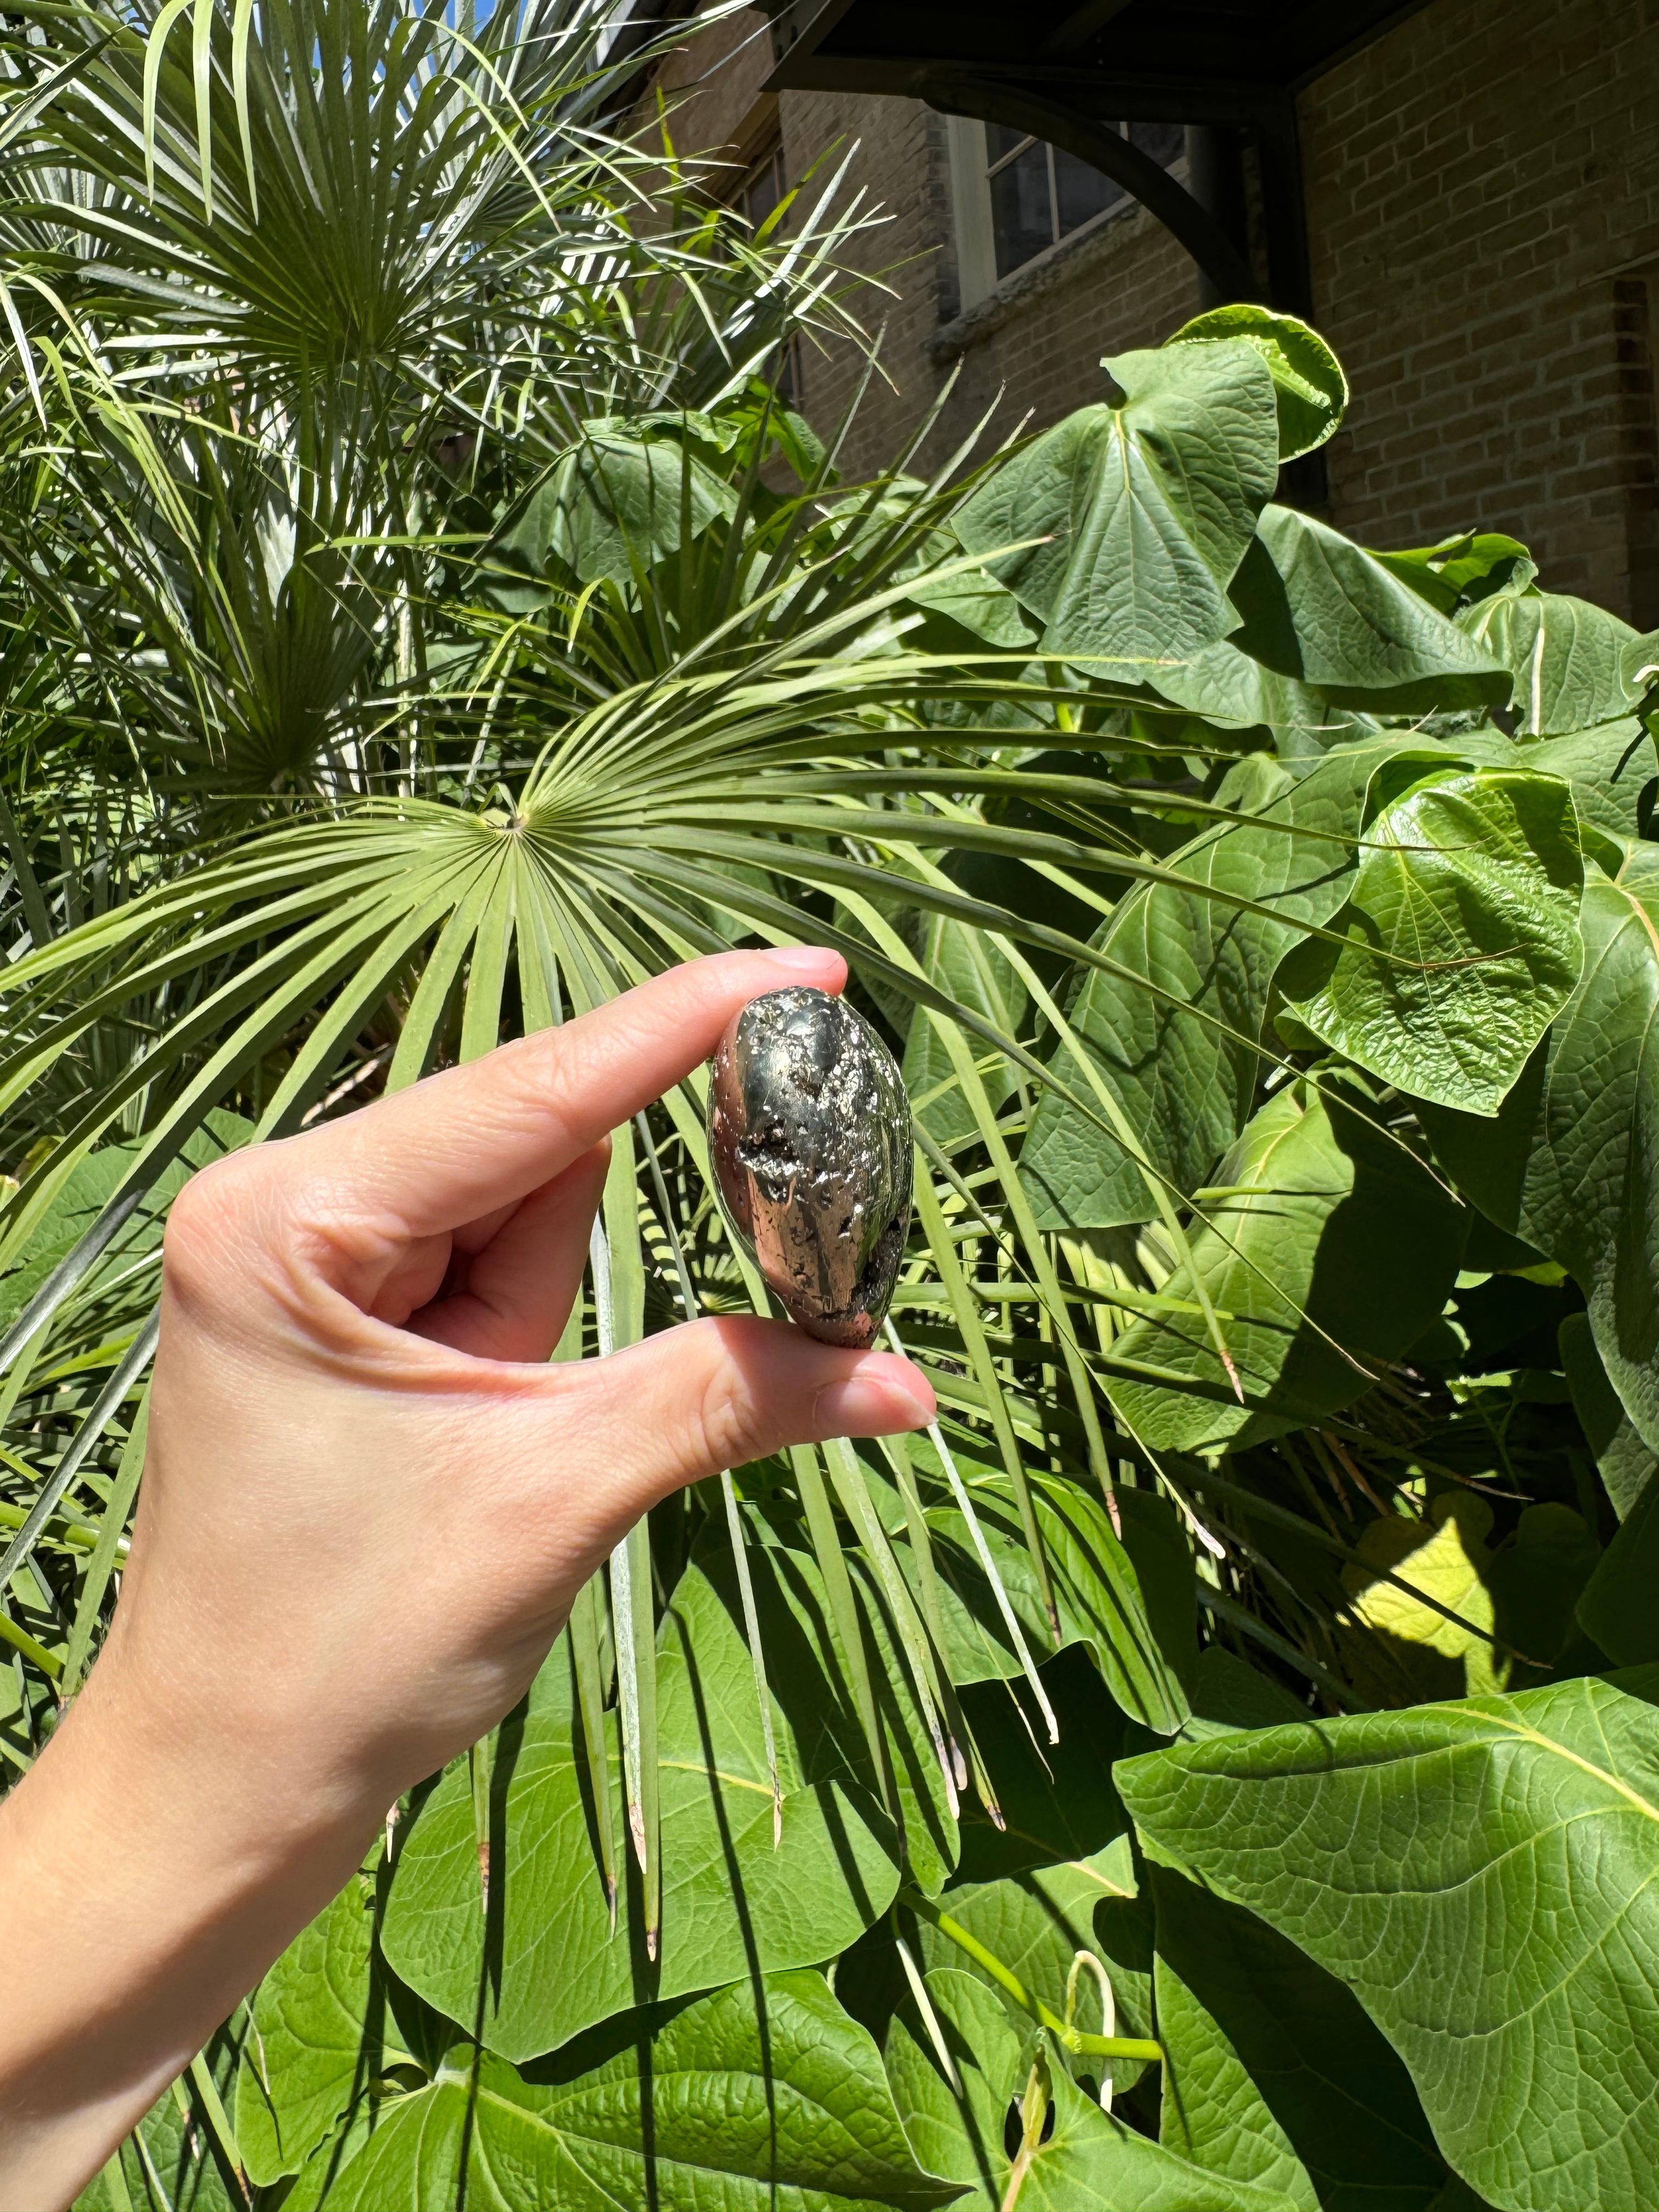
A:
x: 1230, y: 687
x: 1462, y: 570
x: 1481, y: 1874
x: 959, y: 2132
x: 1092, y: 2162
x: 321, y: 2036
x: 774, y: 2106
x: 1035, y: 1923
x: 613, y: 506
x: 1566, y: 659
x: 1273, y: 2074
x: 1401, y: 1651
x: 1185, y: 1085
x: 86, y: 1191
x: 1462, y: 940
x: 1611, y: 768
x: 1133, y: 1609
x: 173, y: 2161
x: 969, y: 968
x: 1050, y: 1810
x: 1235, y: 1694
x: 1535, y: 1579
x: 1308, y: 384
x: 1571, y: 1165
x: 1322, y: 1214
x: 1617, y: 1606
x: 536, y: 1962
x: 1626, y: 1464
x: 1147, y: 506
x: 1319, y: 611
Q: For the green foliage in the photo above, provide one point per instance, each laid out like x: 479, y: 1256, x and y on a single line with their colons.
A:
x: 1309, y: 387
x: 1331, y: 1250
x: 422, y: 619
x: 1146, y: 507
x: 1436, y: 1862
x: 1488, y: 862
x: 1567, y: 1166
x: 763, y: 2097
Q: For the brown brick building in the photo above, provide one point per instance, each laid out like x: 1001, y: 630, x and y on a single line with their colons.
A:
x: 1481, y: 193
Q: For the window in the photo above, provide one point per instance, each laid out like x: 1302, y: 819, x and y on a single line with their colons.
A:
x: 1017, y: 197
x: 762, y: 185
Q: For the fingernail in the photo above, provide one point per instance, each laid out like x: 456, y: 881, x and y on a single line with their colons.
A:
x: 871, y: 1406
x: 799, y: 956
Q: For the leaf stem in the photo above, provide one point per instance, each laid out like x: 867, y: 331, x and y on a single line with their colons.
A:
x: 1074, y: 2038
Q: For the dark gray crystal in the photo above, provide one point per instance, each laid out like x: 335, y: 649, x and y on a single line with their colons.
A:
x: 809, y: 1135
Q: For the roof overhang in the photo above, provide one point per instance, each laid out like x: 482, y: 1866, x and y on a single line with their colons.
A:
x: 1185, y: 61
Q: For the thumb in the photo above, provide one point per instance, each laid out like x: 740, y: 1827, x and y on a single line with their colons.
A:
x: 717, y: 1394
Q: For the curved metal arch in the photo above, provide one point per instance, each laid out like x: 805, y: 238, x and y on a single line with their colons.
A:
x: 1143, y: 178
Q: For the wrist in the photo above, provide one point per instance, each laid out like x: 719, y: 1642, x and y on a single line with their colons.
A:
x: 155, y: 1867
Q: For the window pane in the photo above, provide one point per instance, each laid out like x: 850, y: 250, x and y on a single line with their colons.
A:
x: 1081, y: 191
x: 1020, y: 215
x: 1001, y: 140
x: 1165, y: 141
x: 762, y: 188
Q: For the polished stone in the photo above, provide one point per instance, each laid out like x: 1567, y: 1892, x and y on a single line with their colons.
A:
x: 809, y: 1135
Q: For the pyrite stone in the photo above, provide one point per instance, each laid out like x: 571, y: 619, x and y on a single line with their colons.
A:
x: 809, y: 1135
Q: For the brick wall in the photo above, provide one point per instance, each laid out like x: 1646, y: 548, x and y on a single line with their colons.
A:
x: 1483, y: 189
x: 1129, y: 285
x: 1483, y: 192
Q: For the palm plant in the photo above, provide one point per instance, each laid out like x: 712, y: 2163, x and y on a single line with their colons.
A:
x: 425, y: 619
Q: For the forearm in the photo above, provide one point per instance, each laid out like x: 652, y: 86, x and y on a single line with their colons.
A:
x: 149, y: 1873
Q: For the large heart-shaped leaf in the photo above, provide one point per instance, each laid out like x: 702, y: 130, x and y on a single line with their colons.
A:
x: 1481, y: 1875
x: 1148, y: 506
x: 1309, y: 382
x: 1462, y: 939
x: 1571, y: 1165
x: 537, y: 1960
x: 779, y: 2107
x: 1185, y: 1086
x: 1273, y: 2074
x: 1319, y: 611
x: 1566, y: 659
x: 1319, y: 1212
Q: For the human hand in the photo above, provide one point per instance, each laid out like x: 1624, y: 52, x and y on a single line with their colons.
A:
x: 368, y: 1504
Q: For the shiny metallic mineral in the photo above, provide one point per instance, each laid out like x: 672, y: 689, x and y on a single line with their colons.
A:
x: 809, y: 1133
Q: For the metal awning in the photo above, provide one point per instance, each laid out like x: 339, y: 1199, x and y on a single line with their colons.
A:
x: 1188, y: 61
x: 1073, y: 74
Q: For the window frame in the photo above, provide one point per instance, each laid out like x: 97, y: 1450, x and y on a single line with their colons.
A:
x: 969, y: 147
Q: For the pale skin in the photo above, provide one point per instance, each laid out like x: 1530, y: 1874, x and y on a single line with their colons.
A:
x: 368, y: 1503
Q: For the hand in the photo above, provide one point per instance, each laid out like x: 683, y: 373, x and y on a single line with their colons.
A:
x: 368, y: 1503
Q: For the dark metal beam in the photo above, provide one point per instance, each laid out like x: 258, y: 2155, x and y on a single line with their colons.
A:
x: 1106, y: 150
x: 1122, y: 97
x: 1215, y: 178
x: 1078, y: 27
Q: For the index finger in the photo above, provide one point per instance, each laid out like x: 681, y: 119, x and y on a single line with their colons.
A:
x: 475, y: 1139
